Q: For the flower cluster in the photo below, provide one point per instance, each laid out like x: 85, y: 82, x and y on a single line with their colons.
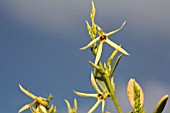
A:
x: 102, y: 75
x: 103, y: 37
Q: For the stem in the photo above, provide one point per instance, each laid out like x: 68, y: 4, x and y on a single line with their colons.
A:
x: 113, y: 95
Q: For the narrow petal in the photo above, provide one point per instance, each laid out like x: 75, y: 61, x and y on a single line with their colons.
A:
x: 100, y: 31
x: 75, y: 104
x: 68, y: 105
x: 51, y: 109
x: 103, y: 104
x: 94, y: 107
x: 24, y: 108
x: 27, y: 92
x: 97, y: 67
x: 99, y: 28
x: 113, y: 32
x: 99, y: 52
x: 27, y: 106
x: 33, y: 110
x: 42, y: 101
x: 90, y: 44
x: 88, y: 26
x: 116, y: 46
x: 85, y: 94
x: 54, y: 109
x: 94, y: 84
x: 42, y: 109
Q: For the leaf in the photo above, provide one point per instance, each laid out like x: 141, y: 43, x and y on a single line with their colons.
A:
x: 135, y: 94
x: 161, y: 104
x: 115, y: 64
x: 109, y: 61
x: 100, y: 80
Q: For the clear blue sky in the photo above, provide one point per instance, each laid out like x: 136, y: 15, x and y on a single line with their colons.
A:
x: 40, y: 41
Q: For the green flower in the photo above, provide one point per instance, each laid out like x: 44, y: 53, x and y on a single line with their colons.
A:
x: 101, y: 96
x: 103, y: 37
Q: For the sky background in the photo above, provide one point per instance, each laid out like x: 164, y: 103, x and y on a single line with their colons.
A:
x: 40, y: 41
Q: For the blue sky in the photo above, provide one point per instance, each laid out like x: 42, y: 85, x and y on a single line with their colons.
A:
x: 40, y: 41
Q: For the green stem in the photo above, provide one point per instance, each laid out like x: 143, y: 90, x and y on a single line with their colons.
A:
x: 113, y: 95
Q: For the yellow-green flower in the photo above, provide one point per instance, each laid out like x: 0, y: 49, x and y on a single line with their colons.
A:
x: 103, y: 37
x: 101, y: 96
x: 39, y: 102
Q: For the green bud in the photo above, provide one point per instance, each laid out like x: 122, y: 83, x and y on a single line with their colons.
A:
x: 93, y: 11
x: 135, y: 94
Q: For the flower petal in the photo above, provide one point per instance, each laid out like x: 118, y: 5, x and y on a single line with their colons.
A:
x: 99, y: 52
x: 24, y: 108
x: 27, y: 92
x: 95, y: 106
x: 42, y: 101
x: 97, y: 67
x: 68, y: 105
x: 116, y: 46
x: 42, y: 109
x: 103, y: 104
x: 85, y: 94
x: 100, y: 31
x: 27, y: 106
x: 75, y: 104
x: 94, y: 83
x: 88, y: 26
x: 90, y: 44
x: 113, y: 32
x: 33, y: 110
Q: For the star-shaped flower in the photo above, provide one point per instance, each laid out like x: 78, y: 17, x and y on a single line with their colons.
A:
x: 101, y: 96
x: 40, y: 102
x: 103, y: 37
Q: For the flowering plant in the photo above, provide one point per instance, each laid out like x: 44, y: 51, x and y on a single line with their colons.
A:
x: 102, y: 78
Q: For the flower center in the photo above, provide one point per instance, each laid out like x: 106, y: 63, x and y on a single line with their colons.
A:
x: 103, y: 37
x: 100, y: 96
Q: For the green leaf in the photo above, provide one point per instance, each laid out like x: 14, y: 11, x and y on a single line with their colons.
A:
x: 100, y: 80
x: 109, y: 61
x: 115, y: 65
x: 161, y: 104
